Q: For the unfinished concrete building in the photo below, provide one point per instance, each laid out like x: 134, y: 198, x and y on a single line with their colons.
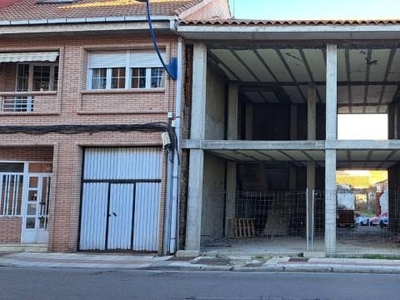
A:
x: 263, y: 149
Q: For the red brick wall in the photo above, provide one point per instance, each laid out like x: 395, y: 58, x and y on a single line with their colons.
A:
x: 10, y: 229
x: 76, y: 105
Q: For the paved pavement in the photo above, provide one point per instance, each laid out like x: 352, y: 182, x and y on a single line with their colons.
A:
x: 233, y: 263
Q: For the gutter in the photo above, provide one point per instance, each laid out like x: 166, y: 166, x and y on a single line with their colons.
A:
x: 288, y: 32
x: 86, y: 24
x: 84, y: 20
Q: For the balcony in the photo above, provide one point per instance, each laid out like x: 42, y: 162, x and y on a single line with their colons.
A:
x: 28, y: 102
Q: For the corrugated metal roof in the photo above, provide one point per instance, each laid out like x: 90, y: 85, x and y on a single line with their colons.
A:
x: 32, y: 10
x: 287, y: 22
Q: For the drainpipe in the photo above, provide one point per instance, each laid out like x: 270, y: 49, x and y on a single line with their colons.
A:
x: 176, y: 162
x: 171, y: 234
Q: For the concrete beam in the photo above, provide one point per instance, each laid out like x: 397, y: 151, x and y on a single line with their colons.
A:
x: 363, y: 144
x: 295, y: 32
x: 292, y: 145
x: 253, y: 145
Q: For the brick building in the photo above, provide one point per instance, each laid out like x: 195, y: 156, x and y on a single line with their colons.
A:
x: 88, y: 135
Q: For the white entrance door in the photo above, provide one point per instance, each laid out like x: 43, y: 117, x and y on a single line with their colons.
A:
x: 36, y: 208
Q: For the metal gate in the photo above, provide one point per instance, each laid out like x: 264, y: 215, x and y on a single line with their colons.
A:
x: 121, y: 199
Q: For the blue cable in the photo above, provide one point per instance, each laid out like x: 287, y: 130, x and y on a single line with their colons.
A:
x: 172, y: 68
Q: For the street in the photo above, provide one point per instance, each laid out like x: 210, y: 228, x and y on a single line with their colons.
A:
x: 94, y: 284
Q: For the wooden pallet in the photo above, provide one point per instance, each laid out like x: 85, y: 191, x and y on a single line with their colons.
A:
x: 242, y: 227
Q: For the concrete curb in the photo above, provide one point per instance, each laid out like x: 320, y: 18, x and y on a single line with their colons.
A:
x: 226, y: 264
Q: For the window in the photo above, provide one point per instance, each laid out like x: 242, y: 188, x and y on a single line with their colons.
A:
x: 157, y: 77
x: 37, y: 77
x: 138, y: 78
x: 99, y: 78
x: 125, y: 70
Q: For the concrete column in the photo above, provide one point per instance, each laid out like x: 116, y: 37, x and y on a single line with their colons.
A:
x: 196, y: 160
x: 230, y: 211
x: 198, y: 116
x: 330, y: 201
x: 330, y: 154
x: 233, y: 111
x: 311, y: 112
x: 331, y: 92
x: 231, y: 172
x: 249, y: 121
x: 311, y: 135
x: 293, y: 122
x: 394, y: 121
x: 293, y: 137
x: 195, y: 200
x: 391, y: 121
x: 310, y: 190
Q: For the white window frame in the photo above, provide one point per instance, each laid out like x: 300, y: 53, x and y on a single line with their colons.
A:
x: 131, y: 60
x: 52, y: 66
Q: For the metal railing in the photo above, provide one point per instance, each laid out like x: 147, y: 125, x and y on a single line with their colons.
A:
x: 17, y: 104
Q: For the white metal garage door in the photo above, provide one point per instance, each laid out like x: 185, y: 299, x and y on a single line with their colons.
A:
x: 121, y: 192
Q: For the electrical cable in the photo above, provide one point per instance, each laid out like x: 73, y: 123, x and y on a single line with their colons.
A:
x: 77, y: 129
x: 171, y: 72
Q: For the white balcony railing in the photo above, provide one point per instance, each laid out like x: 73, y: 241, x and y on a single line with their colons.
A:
x: 17, y: 104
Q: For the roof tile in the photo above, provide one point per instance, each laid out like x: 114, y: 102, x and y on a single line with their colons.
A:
x: 32, y: 10
x: 287, y: 22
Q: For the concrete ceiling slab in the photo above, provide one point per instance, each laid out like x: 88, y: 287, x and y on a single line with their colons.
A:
x: 367, y: 75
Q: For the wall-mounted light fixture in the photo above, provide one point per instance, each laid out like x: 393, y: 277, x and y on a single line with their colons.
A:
x: 172, y: 68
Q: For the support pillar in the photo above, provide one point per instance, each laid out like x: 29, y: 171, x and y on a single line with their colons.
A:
x: 230, y: 207
x: 233, y: 112
x: 196, y: 160
x: 330, y: 154
x: 311, y: 135
x: 312, y: 112
x: 330, y: 201
x: 195, y: 202
x: 231, y: 171
x: 293, y: 137
x: 310, y: 206
x: 249, y: 122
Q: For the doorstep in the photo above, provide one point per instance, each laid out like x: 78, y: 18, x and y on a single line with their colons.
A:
x: 10, y: 248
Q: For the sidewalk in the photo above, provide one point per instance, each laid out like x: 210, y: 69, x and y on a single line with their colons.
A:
x: 239, y: 264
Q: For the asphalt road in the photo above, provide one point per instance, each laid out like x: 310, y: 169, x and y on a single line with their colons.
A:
x: 71, y: 284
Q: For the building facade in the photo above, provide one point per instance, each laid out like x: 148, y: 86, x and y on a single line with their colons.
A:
x: 90, y: 123
x: 263, y: 149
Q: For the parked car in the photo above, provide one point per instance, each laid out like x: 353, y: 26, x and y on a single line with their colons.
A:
x: 381, y: 220
x: 362, y: 221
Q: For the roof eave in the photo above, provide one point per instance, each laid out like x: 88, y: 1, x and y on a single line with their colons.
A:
x: 292, y: 32
x: 46, y: 26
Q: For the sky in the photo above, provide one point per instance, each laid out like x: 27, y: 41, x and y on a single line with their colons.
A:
x: 315, y: 9
x: 349, y: 126
x: 362, y: 127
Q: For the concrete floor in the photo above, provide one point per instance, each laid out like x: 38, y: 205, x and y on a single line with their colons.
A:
x: 357, y: 241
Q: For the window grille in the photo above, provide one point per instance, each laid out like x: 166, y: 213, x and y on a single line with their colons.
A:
x: 11, y: 194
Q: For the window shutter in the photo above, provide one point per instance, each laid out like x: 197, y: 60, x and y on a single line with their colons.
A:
x: 145, y: 59
x: 107, y: 59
